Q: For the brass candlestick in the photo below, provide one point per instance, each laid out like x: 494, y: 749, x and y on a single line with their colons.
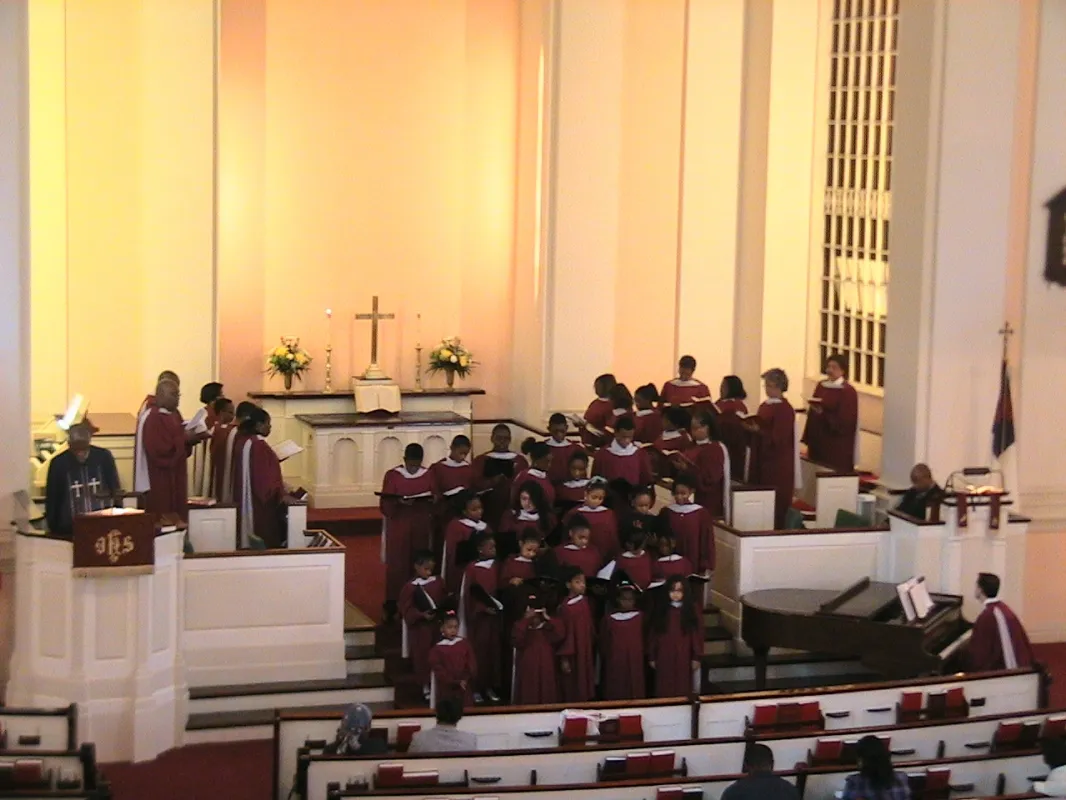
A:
x: 329, y: 369
x: 418, y: 367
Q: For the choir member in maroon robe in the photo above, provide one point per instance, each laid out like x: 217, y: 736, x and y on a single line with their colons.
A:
x: 521, y: 566
x: 833, y: 419
x: 675, y: 642
x: 635, y: 561
x: 480, y: 618
x: 530, y: 511
x: 454, y: 473
x: 622, y: 461
x: 452, y: 665
x: 774, y: 456
x: 602, y: 521
x: 407, y: 494
x: 685, y: 390
x: 535, y: 638
x: 621, y: 406
x: 673, y: 440
x: 691, y: 525
x: 166, y: 454
x: 639, y: 516
x: 230, y: 443
x: 540, y: 461
x: 998, y: 641
x: 622, y: 648
x: 202, y: 427
x: 599, y: 413
x: 225, y: 422
x: 141, y: 481
x: 494, y: 473
x: 670, y: 563
x: 576, y: 656
x: 731, y: 413
x: 578, y: 552
x: 707, y: 460
x: 647, y: 419
x: 258, y: 485
x: 456, y: 534
x: 562, y: 449
x: 420, y: 599
x: 571, y: 492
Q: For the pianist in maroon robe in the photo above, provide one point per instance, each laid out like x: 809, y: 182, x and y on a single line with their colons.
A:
x: 562, y: 449
x: 419, y: 599
x: 578, y: 552
x: 494, y: 473
x: 731, y: 413
x: 622, y: 461
x: 833, y: 419
x: 707, y: 460
x: 602, y: 521
x: 577, y: 662
x: 622, y: 648
x: 407, y: 510
x: 540, y: 460
x: 460, y: 530
x: 599, y: 413
x: 258, y: 485
x: 775, y: 460
x: 647, y: 419
x: 452, y: 665
x: 535, y: 638
x: 691, y: 525
x: 998, y: 641
x: 685, y: 390
x: 675, y: 642
x: 165, y: 452
x: 480, y: 618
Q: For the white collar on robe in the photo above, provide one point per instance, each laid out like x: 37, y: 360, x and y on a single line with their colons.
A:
x: 261, y: 438
x: 552, y: 443
x: 586, y: 510
x: 618, y: 450
x: 580, y: 483
x: 537, y: 473
x: 667, y: 435
x: 630, y: 554
x: 622, y: 616
x: 688, y: 383
x: 528, y: 516
x: 450, y: 462
x: 774, y: 400
x: 671, y: 557
x: 643, y: 412
x: 424, y: 581
x: 576, y: 599
x: 990, y: 600
x: 701, y: 441
x: 488, y: 563
x: 507, y: 455
x: 477, y: 526
x: 688, y: 508
x: 411, y: 475
x: 523, y: 559
x: 619, y: 412
x: 450, y: 642
x: 162, y: 410
x: 837, y: 384
x: 572, y: 546
x: 676, y: 603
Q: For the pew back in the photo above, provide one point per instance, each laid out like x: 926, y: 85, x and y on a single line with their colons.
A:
x: 40, y: 728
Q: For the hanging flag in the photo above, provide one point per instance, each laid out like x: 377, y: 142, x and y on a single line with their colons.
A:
x: 1003, y: 423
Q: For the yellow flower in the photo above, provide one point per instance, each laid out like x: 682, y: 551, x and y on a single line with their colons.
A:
x: 291, y: 357
x: 464, y: 362
x: 446, y: 354
x: 280, y: 352
x: 301, y: 358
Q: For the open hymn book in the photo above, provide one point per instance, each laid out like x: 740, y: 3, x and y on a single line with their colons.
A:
x: 287, y: 449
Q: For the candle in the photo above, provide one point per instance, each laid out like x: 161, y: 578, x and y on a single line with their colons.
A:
x: 329, y: 326
x: 418, y: 330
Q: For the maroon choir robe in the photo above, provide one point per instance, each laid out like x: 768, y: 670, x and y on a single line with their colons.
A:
x: 562, y: 452
x: 648, y: 425
x: 489, y: 475
x: 458, y: 531
x: 163, y: 437
x: 998, y: 641
x: 693, y: 527
x: 452, y: 661
x: 575, y: 618
x: 536, y: 476
x: 774, y: 456
x: 517, y: 567
x: 637, y: 566
x: 617, y: 414
x: 603, y: 529
x: 597, y: 416
x: 673, y: 650
x: 684, y: 393
x: 260, y: 493
x: 671, y: 565
x: 534, y: 662
x: 513, y: 525
x: 483, y: 624
x: 405, y: 527
x: 586, y: 559
x: 708, y: 465
x: 622, y: 656
x: 667, y: 445
x: 419, y: 633
x: 630, y: 464
x: 830, y: 435
x: 571, y: 493
x: 450, y: 477
x: 220, y: 452
x: 731, y: 431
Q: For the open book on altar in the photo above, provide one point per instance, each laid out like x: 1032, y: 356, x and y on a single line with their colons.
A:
x: 287, y: 449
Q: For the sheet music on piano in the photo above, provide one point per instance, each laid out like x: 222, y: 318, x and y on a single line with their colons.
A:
x: 919, y: 594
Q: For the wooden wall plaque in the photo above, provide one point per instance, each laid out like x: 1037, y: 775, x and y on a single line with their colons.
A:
x: 114, y: 542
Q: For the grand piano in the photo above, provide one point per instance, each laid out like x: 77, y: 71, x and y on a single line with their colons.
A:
x: 866, y: 621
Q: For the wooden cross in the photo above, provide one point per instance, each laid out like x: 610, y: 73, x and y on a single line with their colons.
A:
x: 374, y: 372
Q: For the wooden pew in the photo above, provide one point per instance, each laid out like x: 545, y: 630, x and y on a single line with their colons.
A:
x: 53, y: 729
x: 911, y: 741
x: 60, y: 770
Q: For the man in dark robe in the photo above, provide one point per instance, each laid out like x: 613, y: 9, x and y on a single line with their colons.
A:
x: 999, y: 641
x: 922, y: 494
x: 166, y: 453
x: 80, y: 479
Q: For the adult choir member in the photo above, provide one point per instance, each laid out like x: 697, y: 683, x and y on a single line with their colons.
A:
x: 165, y: 454
x: 776, y: 460
x: 200, y: 428
x: 140, y: 465
x: 407, y: 510
x: 732, y: 410
x: 77, y: 478
x: 228, y: 446
x: 685, y: 390
x: 225, y: 422
x: 833, y: 419
x: 998, y: 641
x: 258, y: 485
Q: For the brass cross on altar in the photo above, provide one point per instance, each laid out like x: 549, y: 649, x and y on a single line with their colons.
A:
x: 374, y: 372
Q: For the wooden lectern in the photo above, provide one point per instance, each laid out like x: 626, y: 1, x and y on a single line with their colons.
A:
x: 114, y: 542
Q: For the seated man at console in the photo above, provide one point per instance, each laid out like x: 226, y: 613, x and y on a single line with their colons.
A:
x: 923, y: 492
x: 999, y: 641
x: 760, y: 782
x: 78, y: 481
x: 446, y: 736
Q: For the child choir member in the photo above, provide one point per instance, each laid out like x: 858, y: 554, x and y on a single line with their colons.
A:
x: 708, y: 461
x: 199, y: 431
x: 571, y: 492
x: 494, y: 473
x: 258, y: 486
x: 691, y: 525
x: 225, y: 422
x: 670, y: 562
x: 639, y: 516
x: 453, y: 668
x: 731, y: 413
x: 456, y: 535
x: 406, y: 506
x: 621, y: 646
x: 562, y: 449
x: 522, y: 566
x: 621, y: 406
x: 673, y: 440
x: 454, y: 473
x: 602, y: 522
x: 635, y: 561
x: 685, y: 390
x: 575, y: 651
x: 480, y: 618
x: 623, y: 462
x: 530, y: 511
x: 228, y: 447
x: 775, y: 459
x: 647, y: 419
x: 599, y: 413
x: 577, y: 552
x: 833, y: 419
x: 535, y: 638
x: 675, y: 642
x: 420, y: 599
x: 540, y: 460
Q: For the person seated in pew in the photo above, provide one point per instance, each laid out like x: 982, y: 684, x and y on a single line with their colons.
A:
x: 232, y: 444
x: 675, y: 641
x: 731, y: 412
x: 647, y: 419
x: 540, y: 460
x: 258, y: 485
x: 923, y: 493
x: 1054, y: 752
x: 875, y: 780
x: 535, y: 638
x: 998, y: 641
x: 452, y: 665
x: 353, y: 734
x: 445, y: 737
x: 833, y: 419
x: 593, y: 425
x: 602, y: 521
x: 79, y: 480
x: 685, y: 390
x: 621, y: 646
x: 563, y: 450
x: 577, y: 660
x: 760, y: 782
x: 571, y: 493
x: 419, y: 600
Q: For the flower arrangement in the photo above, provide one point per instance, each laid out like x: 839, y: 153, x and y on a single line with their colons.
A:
x: 288, y: 360
x: 451, y: 358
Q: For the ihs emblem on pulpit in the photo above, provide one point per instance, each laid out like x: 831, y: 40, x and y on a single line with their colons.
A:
x: 114, y: 545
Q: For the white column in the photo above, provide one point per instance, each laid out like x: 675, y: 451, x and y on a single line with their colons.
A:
x: 14, y: 299
x: 957, y: 84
